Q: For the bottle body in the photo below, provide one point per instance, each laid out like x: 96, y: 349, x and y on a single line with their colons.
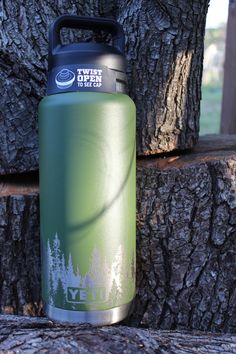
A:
x: 87, y: 205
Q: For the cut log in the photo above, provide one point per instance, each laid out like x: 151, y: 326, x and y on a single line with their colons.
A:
x: 164, y: 50
x: 186, y: 221
x: 19, y: 246
x: 186, y: 242
x: 37, y: 335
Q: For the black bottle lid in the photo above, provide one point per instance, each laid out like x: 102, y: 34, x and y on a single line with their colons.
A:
x: 90, y: 66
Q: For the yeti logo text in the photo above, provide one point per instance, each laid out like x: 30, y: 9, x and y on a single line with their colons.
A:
x: 89, y: 77
x: 84, y: 295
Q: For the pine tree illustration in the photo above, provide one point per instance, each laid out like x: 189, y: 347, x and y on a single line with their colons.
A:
x: 72, y: 278
x: 78, y: 276
x: 128, y: 275
x: 59, y: 297
x: 125, y: 275
x: 97, y: 269
x: 57, y: 253
x: 114, y: 295
x: 116, y: 268
x: 114, y: 276
x: 63, y: 276
x: 48, y: 275
x: 87, y: 281
x: 55, y: 265
x: 70, y: 269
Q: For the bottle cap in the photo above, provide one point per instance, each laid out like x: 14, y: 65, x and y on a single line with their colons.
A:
x: 89, y: 66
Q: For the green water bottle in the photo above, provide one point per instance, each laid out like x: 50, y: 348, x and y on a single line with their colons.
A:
x: 87, y: 178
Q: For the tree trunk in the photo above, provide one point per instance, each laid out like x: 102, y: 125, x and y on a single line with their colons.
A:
x: 165, y: 53
x: 164, y: 50
x: 228, y: 116
x: 186, y: 242
x: 37, y: 335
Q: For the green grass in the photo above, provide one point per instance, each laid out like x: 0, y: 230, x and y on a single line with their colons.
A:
x: 210, y: 110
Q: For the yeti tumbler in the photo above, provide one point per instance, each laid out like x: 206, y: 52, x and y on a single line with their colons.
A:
x: 87, y: 178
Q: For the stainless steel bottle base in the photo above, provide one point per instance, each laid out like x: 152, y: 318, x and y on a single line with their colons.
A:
x: 104, y: 317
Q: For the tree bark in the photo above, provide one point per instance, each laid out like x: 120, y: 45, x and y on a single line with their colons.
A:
x: 186, y: 241
x: 37, y: 335
x: 165, y: 54
x: 19, y: 246
x: 23, y: 69
x: 164, y: 49
x: 228, y: 116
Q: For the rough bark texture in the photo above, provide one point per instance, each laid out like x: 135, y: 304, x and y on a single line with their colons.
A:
x: 37, y: 335
x: 165, y: 54
x: 23, y: 65
x: 186, y: 215
x: 19, y: 247
x: 164, y: 49
x: 186, y: 242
